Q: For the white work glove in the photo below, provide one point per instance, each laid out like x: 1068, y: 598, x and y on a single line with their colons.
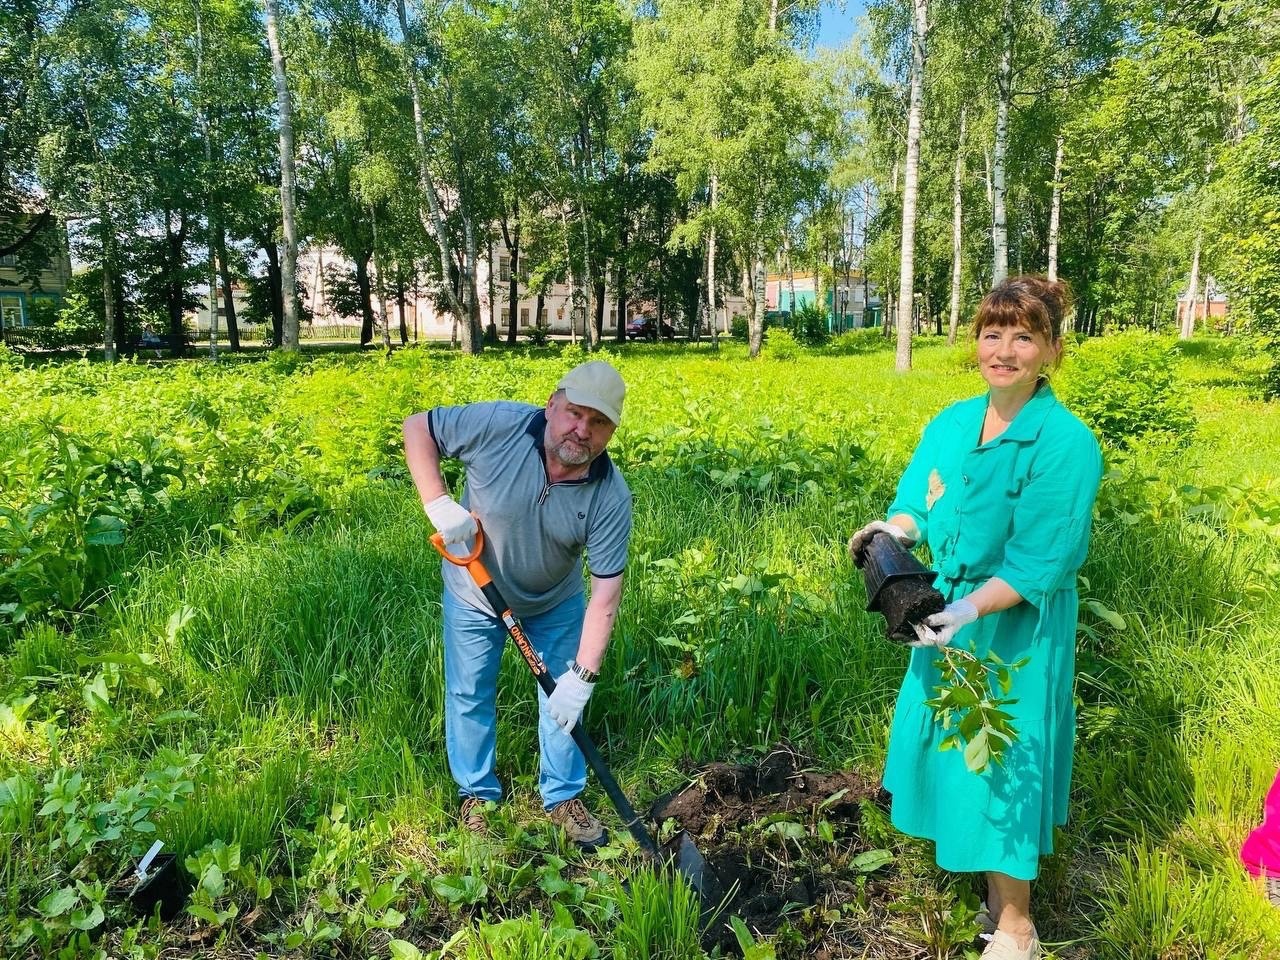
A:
x: 567, y: 701
x: 451, y: 520
x: 858, y: 542
x: 938, y: 629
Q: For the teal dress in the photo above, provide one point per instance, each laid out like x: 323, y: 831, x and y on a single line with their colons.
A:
x: 1018, y: 507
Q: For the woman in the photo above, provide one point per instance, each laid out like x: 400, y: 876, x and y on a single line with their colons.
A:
x: 1001, y: 487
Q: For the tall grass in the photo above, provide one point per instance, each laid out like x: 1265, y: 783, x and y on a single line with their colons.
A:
x: 298, y: 654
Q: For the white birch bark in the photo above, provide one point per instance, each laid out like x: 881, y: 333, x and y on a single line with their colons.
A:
x: 711, y: 267
x: 957, y: 232
x: 1004, y: 94
x: 1055, y: 211
x: 211, y: 215
x: 910, y: 183
x: 284, y: 108
x: 1189, y: 314
x: 433, y: 218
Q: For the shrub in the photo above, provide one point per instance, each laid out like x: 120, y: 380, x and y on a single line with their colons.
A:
x: 809, y: 325
x: 780, y: 344
x: 9, y: 360
x: 537, y: 336
x: 1126, y: 387
x: 864, y: 340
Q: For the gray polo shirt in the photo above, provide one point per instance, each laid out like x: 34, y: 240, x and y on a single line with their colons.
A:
x: 534, y: 530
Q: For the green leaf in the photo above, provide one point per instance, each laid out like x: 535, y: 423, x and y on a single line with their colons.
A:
x: 58, y: 902
x: 872, y: 860
x: 104, y: 530
x: 404, y: 950
x: 88, y: 921
x: 457, y: 890
x: 977, y: 754
x: 1104, y: 612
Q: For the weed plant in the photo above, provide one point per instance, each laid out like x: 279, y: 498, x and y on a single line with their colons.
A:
x: 231, y: 642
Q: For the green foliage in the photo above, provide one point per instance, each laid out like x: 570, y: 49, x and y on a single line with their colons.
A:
x: 66, y: 503
x: 781, y: 344
x: 809, y: 325
x: 9, y: 359
x: 970, y: 698
x: 658, y: 917
x: 260, y: 690
x: 1126, y: 388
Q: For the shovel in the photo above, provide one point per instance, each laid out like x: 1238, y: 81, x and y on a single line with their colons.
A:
x: 688, y: 861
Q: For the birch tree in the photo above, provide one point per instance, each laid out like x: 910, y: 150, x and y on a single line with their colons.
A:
x: 288, y: 179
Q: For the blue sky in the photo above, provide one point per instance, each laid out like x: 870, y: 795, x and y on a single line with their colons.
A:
x: 838, y: 19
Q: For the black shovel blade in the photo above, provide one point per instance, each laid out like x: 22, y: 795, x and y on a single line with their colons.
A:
x: 699, y: 874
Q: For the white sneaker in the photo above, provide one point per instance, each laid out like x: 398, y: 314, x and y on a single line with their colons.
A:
x: 1001, y: 946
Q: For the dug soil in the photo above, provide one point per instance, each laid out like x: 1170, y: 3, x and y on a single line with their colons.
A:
x: 800, y: 854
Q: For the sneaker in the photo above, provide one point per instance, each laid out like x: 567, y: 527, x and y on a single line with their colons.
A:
x: 472, y: 816
x: 1002, y: 946
x: 576, y: 820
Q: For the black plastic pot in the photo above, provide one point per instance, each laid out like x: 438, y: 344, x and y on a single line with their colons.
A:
x: 165, y: 887
x: 899, y: 587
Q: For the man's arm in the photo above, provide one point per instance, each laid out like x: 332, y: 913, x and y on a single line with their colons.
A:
x: 423, y: 457
x: 597, y: 625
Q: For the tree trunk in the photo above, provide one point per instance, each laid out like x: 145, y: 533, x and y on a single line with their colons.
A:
x: 910, y: 184
x: 433, y: 219
x: 404, y: 327
x: 491, y: 331
x: 1189, y: 314
x: 1004, y: 94
x: 109, y: 339
x: 1055, y: 210
x: 228, y: 291
x: 537, y: 309
x: 711, y: 265
x: 598, y: 304
x: 957, y: 233
x: 620, y: 331
x: 284, y: 107
x: 512, y: 238
x: 173, y: 281
x: 366, y: 297
x: 757, y: 301
x: 380, y: 284
x: 211, y: 198
x: 472, y: 341
x: 274, y: 288
x: 748, y: 293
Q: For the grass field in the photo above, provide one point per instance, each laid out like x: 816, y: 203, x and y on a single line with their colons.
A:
x: 219, y: 626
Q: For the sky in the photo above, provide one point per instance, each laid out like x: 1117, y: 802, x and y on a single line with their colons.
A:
x: 838, y: 19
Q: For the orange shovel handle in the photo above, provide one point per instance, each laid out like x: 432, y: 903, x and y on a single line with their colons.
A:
x: 471, y: 561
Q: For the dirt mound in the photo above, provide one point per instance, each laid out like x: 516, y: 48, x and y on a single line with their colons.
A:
x: 788, y: 842
x: 725, y: 796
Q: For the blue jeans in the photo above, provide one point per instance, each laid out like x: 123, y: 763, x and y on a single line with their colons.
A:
x: 473, y: 644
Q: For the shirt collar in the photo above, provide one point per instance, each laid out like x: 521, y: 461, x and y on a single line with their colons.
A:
x: 537, y: 428
x: 1030, y: 419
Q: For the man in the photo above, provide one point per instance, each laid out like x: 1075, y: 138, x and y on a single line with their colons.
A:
x: 544, y: 489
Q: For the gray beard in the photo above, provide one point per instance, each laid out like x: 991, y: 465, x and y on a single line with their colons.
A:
x: 571, y: 454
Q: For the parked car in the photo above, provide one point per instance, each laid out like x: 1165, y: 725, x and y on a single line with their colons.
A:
x: 647, y: 328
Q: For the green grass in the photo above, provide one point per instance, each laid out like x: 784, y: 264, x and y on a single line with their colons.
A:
x: 275, y: 625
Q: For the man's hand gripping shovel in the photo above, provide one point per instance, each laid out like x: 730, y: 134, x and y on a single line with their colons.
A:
x: 680, y: 850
